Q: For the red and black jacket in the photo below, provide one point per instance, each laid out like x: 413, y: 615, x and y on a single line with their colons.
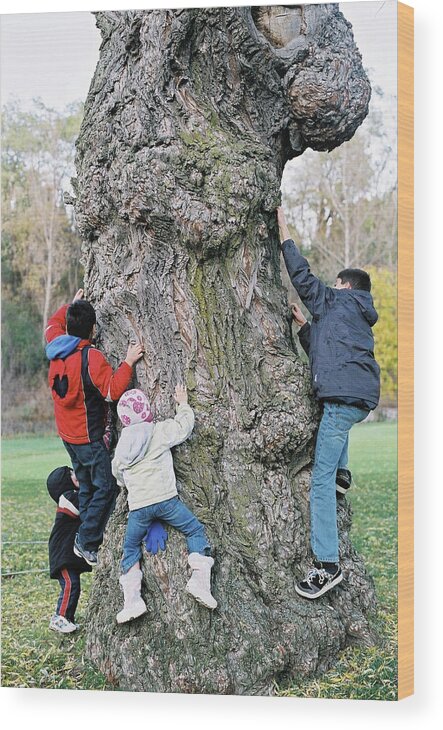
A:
x: 80, y: 383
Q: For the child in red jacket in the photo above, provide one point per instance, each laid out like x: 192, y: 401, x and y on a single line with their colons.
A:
x: 81, y: 381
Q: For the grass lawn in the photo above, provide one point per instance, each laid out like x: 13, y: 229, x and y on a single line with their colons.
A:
x: 370, y: 673
x: 33, y: 656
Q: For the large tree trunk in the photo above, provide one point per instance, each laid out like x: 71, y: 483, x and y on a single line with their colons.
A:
x: 190, y: 119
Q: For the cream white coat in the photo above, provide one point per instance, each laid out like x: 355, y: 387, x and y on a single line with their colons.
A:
x: 151, y: 479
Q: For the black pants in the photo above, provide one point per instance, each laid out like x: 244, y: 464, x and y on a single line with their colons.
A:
x: 67, y: 602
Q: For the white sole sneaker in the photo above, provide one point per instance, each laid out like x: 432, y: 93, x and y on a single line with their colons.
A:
x: 327, y: 587
x: 62, y: 625
x: 81, y: 554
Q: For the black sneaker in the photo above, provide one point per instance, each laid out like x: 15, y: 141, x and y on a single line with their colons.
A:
x: 89, y: 555
x: 319, y: 580
x: 343, y: 481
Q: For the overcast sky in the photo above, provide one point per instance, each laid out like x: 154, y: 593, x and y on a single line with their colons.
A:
x: 53, y: 55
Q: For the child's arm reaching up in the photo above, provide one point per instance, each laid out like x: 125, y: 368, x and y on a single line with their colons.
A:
x: 56, y: 325
x: 310, y: 289
x: 181, y: 395
x: 178, y: 429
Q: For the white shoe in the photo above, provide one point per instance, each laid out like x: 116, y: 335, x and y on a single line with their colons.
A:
x: 134, y: 605
x: 199, y: 584
x: 62, y: 625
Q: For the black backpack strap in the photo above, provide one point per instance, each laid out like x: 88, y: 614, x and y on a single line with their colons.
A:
x: 88, y: 385
x: 87, y: 382
x: 94, y: 401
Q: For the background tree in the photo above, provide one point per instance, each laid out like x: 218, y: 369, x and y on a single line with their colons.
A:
x: 40, y: 248
x: 342, y: 205
x: 384, y: 291
x: 189, y: 121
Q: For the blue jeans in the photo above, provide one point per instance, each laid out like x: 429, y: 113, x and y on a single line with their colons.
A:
x: 97, y: 490
x: 331, y: 452
x: 173, y: 512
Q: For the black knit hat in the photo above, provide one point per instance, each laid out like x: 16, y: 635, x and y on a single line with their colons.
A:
x: 59, y: 481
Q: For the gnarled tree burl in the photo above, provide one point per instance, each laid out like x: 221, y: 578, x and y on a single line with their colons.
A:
x: 189, y: 121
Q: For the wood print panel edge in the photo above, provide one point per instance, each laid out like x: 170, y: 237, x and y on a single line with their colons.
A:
x: 405, y: 351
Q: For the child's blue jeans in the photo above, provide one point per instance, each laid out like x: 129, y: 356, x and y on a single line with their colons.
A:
x: 331, y: 452
x: 97, y: 492
x: 173, y: 512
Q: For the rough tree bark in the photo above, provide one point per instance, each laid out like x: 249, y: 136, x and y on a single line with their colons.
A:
x: 190, y: 119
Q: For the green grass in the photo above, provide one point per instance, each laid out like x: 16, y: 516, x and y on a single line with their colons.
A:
x: 33, y: 656
x: 369, y: 673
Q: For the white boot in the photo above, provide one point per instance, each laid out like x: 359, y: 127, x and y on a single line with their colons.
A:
x: 134, y: 604
x: 199, y: 584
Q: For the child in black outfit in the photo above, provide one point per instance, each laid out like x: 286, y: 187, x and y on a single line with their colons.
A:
x: 64, y: 564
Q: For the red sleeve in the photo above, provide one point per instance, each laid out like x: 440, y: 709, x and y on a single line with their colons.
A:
x: 108, y: 383
x: 56, y: 324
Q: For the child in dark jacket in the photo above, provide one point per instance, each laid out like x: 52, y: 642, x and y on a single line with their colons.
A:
x: 345, y: 379
x: 64, y: 565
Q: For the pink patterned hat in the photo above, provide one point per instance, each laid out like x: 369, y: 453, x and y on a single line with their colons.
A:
x: 133, y: 407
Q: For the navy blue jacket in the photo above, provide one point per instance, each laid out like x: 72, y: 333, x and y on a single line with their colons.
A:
x: 339, y: 341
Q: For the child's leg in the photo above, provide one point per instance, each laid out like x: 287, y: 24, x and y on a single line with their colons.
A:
x: 344, y: 456
x: 97, y: 496
x: 67, y: 602
x: 134, y: 605
x: 332, y: 437
x: 82, y: 473
x: 139, y: 521
x: 175, y: 513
